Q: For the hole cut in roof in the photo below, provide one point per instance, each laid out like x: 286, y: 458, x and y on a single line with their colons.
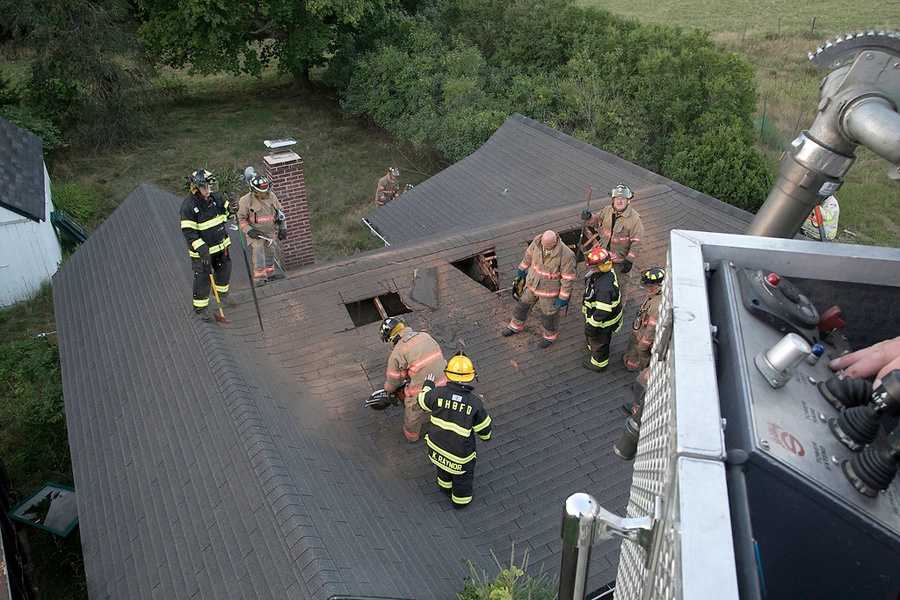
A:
x: 378, y: 308
x: 571, y: 238
x: 482, y: 268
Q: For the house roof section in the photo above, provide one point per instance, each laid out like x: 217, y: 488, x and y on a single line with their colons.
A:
x: 525, y: 166
x: 22, y: 172
x: 218, y: 461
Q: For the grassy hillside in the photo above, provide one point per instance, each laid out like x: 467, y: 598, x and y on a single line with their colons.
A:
x: 775, y: 38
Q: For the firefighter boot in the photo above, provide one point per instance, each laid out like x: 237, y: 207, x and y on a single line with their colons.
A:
x: 203, y: 314
x: 227, y: 301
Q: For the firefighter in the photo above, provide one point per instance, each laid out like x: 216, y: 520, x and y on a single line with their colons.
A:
x: 388, y: 188
x: 457, y: 416
x: 548, y: 270
x: 414, y: 355
x: 601, y: 308
x: 643, y: 330
x: 203, y: 218
x: 262, y: 221
x: 621, y: 232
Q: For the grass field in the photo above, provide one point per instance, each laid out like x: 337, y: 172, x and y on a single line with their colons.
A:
x: 775, y: 37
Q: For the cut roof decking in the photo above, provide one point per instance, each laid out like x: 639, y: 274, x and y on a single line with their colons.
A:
x: 22, y: 171
x: 525, y: 166
x: 213, y: 461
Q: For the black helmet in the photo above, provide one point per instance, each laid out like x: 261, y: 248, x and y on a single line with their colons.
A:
x: 653, y: 276
x: 201, y: 178
x: 390, y: 327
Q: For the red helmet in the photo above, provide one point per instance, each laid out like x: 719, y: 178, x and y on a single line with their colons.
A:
x: 600, y: 258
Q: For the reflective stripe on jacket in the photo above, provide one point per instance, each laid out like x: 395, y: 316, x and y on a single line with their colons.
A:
x: 549, y: 273
x: 601, y: 304
x: 259, y: 214
x: 457, y: 416
x: 646, y: 321
x: 415, y: 355
x: 625, y: 238
x: 203, y: 224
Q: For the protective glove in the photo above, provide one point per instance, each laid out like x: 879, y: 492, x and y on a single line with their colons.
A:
x: 561, y: 303
x: 626, y: 266
x: 204, y: 260
x: 586, y: 215
x: 520, y: 274
x: 254, y: 234
x: 518, y: 287
x: 428, y: 383
x: 282, y: 234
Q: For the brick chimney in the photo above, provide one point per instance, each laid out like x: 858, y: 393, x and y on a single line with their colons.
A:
x: 285, y: 170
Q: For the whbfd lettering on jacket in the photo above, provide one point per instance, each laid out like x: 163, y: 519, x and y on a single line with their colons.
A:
x: 549, y: 273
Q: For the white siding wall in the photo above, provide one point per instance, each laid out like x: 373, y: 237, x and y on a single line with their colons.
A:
x: 29, y: 253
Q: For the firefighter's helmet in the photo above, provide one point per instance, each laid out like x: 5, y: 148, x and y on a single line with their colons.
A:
x: 600, y: 258
x: 653, y: 276
x: 390, y: 327
x: 460, y: 368
x: 201, y: 178
x: 394, y: 171
x: 621, y: 190
x: 259, y: 183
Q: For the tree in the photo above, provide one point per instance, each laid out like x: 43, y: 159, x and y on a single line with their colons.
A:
x: 88, y: 76
x: 242, y: 37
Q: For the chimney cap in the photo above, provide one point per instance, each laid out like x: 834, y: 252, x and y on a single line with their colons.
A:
x: 278, y: 144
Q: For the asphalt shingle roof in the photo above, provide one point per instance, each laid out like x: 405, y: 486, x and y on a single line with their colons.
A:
x: 21, y: 171
x: 218, y: 461
x: 525, y: 166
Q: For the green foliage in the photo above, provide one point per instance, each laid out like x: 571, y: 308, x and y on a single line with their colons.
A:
x: 510, y: 583
x: 640, y: 92
x: 26, y: 118
x: 86, y: 76
x: 77, y: 202
x: 243, y: 37
x: 33, y: 438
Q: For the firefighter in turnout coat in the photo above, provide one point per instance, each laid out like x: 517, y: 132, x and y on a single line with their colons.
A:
x: 388, y: 188
x: 457, y: 416
x: 259, y: 216
x: 203, y: 217
x: 548, y: 269
x: 601, y: 308
x: 621, y: 232
x: 637, y: 356
x: 414, y: 355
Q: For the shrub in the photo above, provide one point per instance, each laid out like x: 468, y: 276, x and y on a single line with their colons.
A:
x: 510, y: 583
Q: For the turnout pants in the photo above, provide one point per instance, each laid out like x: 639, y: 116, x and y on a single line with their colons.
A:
x: 220, y: 263
x: 598, y: 345
x: 263, y: 253
x: 637, y: 356
x: 549, y: 314
x: 459, y: 487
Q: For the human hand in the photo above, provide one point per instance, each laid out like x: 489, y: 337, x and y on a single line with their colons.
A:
x: 561, y: 303
x: 878, y: 359
x: 520, y: 274
x: 626, y: 266
x: 586, y: 215
x: 282, y: 234
x: 254, y: 234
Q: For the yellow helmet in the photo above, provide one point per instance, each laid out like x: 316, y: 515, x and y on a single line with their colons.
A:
x: 460, y: 368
